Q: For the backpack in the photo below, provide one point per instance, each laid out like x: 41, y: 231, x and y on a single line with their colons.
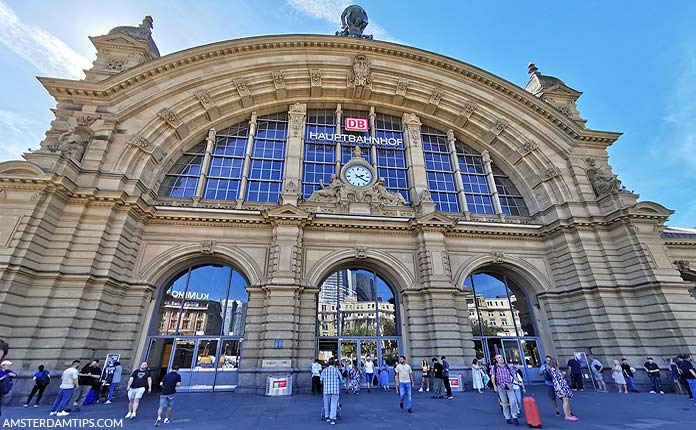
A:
x: 43, y: 379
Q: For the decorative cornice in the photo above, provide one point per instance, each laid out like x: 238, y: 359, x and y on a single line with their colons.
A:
x: 112, y: 87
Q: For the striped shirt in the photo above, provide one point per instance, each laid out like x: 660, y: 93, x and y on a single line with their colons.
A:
x: 503, y: 376
x: 331, y: 379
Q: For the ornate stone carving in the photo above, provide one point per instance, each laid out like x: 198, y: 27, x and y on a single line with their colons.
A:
x: 203, y: 97
x: 340, y: 193
x: 360, y: 74
x: 296, y: 116
x: 401, y: 86
x: 141, y: 143
x: 450, y: 136
x: 114, y: 65
x: 73, y: 143
x: 552, y: 172
x: 278, y: 80
x: 499, y: 126
x: 497, y: 257
x: 468, y: 109
x: 425, y: 197
x: 207, y: 247
x: 486, y: 157
x: 436, y: 96
x: 169, y: 117
x: 602, y: 183
x: 527, y: 147
x: 682, y: 265
x: 361, y: 252
x: 413, y: 125
x: 290, y: 187
x: 242, y: 87
x: 353, y: 22
x: 315, y: 76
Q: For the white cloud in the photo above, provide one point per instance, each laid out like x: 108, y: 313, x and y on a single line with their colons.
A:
x: 50, y: 55
x: 18, y: 134
x: 330, y: 11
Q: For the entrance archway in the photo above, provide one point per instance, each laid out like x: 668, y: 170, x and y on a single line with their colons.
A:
x: 502, y: 321
x: 357, y: 319
x: 199, y: 328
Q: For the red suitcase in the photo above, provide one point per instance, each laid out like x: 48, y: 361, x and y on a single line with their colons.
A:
x: 531, y: 412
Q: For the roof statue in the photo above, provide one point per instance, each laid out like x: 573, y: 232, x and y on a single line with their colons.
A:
x: 353, y: 22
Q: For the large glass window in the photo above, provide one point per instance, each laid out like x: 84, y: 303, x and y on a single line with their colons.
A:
x: 356, y: 302
x: 391, y: 160
x: 438, y: 168
x: 347, y: 146
x: 182, y: 179
x: 268, y: 159
x: 319, y: 155
x: 227, y: 162
x: 202, y: 301
x: 476, y: 189
x: 511, y: 201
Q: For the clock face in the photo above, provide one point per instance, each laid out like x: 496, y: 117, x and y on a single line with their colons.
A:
x: 358, y: 176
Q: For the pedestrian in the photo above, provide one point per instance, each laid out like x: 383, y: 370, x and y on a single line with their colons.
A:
x: 563, y: 392
x: 4, y: 349
x: 687, y: 375
x: 316, y: 377
x: 425, y: 376
x: 6, y: 382
x: 115, y: 381
x: 139, y: 382
x: 438, y: 385
x: 68, y: 383
x: 170, y: 382
x: 502, y: 377
x: 619, y: 379
x: 477, y: 376
x: 546, y: 372
x: 628, y: 372
x: 331, y: 383
x: 575, y: 374
x: 597, y: 366
x: 89, y: 375
x: 653, y: 371
x: 445, y: 374
x: 41, y: 380
x: 369, y: 372
x: 675, y: 376
x: 355, y: 376
x: 404, y: 379
x: 383, y: 375
x: 518, y: 388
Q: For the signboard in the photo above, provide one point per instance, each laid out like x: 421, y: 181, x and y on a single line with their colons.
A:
x: 280, y: 383
x: 278, y: 344
x: 276, y: 363
x: 356, y: 124
x: 352, y: 139
x: 454, y: 382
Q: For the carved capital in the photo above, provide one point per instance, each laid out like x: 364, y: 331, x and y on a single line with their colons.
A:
x: 207, y: 247
x: 296, y: 120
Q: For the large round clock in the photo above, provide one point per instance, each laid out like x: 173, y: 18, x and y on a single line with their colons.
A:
x: 358, y: 176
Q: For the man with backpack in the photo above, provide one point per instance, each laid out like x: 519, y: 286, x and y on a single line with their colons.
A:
x: 41, y: 380
x: 503, y: 376
x: 6, y: 375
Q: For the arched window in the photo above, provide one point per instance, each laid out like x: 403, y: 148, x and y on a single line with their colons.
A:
x: 391, y: 161
x: 439, y: 169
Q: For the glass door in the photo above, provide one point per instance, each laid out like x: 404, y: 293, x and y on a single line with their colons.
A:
x: 227, y: 376
x: 532, y: 359
x: 349, y: 352
x: 182, y: 356
x: 389, y: 351
x: 159, y: 353
x: 203, y: 373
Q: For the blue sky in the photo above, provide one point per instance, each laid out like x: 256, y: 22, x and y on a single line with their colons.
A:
x: 635, y: 61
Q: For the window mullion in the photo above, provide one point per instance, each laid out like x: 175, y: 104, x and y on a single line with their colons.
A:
x: 457, y: 171
x: 247, y: 158
x: 373, y: 134
x: 486, y: 157
x: 337, y: 135
x: 203, y: 176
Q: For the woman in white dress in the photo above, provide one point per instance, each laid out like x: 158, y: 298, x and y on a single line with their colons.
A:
x: 617, y: 374
x: 477, y: 376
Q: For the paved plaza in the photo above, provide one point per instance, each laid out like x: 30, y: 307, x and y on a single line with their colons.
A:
x: 379, y: 410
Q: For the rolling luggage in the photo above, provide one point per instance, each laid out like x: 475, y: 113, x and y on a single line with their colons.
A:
x: 531, y: 412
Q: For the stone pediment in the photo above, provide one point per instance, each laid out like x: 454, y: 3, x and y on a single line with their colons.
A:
x: 434, y: 219
x: 117, y: 39
x: 287, y: 213
x: 651, y: 208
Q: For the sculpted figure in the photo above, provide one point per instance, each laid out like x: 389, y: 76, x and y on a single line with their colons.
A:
x: 386, y: 196
x: 603, y: 183
x: 328, y: 193
x: 71, y: 144
x: 353, y: 22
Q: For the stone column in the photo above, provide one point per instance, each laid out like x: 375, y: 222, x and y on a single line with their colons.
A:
x: 293, y: 153
x: 457, y: 172
x: 418, y: 180
x: 339, y: 118
x: 247, y: 158
x: 373, y: 134
x: 203, y: 178
x: 491, y: 181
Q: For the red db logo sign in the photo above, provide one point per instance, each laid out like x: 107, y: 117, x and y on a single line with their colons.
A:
x: 356, y: 124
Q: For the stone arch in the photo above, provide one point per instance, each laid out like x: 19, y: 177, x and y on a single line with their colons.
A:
x: 166, y: 265
x: 20, y: 168
x: 533, y: 281
x: 394, y: 271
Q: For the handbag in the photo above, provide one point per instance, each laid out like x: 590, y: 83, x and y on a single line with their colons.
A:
x: 375, y: 382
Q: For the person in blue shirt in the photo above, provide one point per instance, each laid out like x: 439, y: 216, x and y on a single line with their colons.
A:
x: 41, y: 380
x: 575, y: 374
x: 546, y: 372
x: 6, y: 375
x: 331, y: 382
x: 445, y: 374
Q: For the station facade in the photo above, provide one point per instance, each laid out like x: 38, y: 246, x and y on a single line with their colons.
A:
x: 241, y: 208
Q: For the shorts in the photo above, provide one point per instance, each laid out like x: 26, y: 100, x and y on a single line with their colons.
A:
x: 598, y: 376
x: 136, y: 393
x: 166, y: 401
x: 551, y: 391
